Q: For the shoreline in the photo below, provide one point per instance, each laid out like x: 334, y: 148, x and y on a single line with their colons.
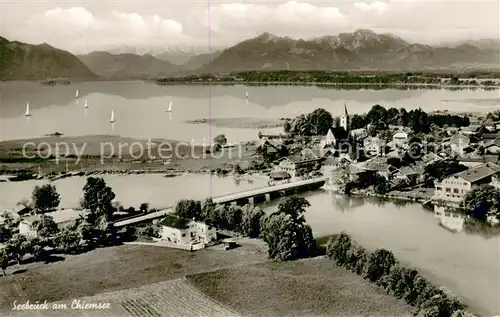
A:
x: 361, y: 85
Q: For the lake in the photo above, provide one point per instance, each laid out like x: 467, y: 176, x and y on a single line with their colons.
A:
x: 467, y: 264
x: 140, y: 108
x: 132, y: 190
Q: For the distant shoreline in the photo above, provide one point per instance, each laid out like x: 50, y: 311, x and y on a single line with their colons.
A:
x: 319, y: 84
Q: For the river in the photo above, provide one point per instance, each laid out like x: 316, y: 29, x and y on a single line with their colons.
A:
x: 132, y: 190
x: 467, y: 264
x: 140, y: 108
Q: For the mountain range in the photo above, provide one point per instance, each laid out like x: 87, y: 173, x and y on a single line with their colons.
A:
x: 361, y: 49
x: 32, y: 62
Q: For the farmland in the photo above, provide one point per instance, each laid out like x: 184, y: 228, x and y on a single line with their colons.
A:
x: 312, y: 287
x: 112, y: 269
x: 170, y: 298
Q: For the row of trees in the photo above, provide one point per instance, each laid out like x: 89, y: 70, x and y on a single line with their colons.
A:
x: 418, y: 120
x: 246, y: 219
x: 328, y: 77
x: 383, y: 269
x: 285, y: 231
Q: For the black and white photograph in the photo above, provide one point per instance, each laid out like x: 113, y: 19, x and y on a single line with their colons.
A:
x: 248, y: 158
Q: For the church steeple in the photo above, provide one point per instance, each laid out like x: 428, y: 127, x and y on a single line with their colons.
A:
x: 344, y: 119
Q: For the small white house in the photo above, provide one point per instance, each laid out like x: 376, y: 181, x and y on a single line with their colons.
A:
x: 373, y: 145
x: 62, y: 218
x: 400, y: 138
x: 328, y: 140
x: 185, y: 231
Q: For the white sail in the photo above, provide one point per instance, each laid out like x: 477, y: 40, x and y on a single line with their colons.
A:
x: 170, y: 106
x: 27, y: 114
x: 86, y: 104
x: 246, y: 95
x: 112, y: 120
x: 77, y: 93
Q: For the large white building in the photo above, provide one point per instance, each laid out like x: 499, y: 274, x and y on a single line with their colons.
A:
x: 455, y: 187
x: 186, y: 231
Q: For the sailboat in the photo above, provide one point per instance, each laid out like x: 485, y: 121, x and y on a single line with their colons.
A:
x: 77, y: 93
x: 86, y: 104
x: 169, y: 106
x: 112, y: 120
x: 246, y: 95
x: 28, y: 113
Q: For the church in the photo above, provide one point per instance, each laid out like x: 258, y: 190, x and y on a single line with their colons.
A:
x: 337, y: 133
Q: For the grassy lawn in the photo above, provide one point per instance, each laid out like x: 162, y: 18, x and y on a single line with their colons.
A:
x: 111, y: 269
x: 312, y: 287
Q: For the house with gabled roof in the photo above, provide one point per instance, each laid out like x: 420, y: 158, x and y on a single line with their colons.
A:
x: 184, y: 231
x: 456, y: 186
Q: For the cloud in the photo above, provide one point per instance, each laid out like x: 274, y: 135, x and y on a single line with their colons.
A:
x: 291, y: 19
x: 426, y: 21
x: 78, y: 29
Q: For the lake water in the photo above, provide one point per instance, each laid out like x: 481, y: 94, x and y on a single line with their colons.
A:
x: 140, y: 108
x: 132, y: 190
x: 469, y: 265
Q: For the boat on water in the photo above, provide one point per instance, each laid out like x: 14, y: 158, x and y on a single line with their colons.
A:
x: 112, y: 120
x: 169, y: 106
x: 246, y: 95
x: 77, y: 93
x: 86, y: 104
x: 27, y: 113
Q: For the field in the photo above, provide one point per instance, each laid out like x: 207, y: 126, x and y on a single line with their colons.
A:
x: 170, y: 298
x: 112, y: 269
x: 312, y: 287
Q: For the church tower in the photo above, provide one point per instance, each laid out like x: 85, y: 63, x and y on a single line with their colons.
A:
x: 344, y: 119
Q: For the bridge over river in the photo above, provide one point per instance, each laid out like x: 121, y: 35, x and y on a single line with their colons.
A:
x: 251, y: 196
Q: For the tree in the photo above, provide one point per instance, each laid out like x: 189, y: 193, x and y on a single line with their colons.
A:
x: 97, y: 199
x: 220, y: 140
x: 287, y: 127
x: 16, y: 247
x: 4, y: 261
x: 338, y: 248
x: 482, y: 201
x: 382, y: 185
x: 46, y: 227
x: 5, y: 233
x: 188, y: 208
x: 144, y: 207
x: 320, y: 121
x: 251, y: 219
x: 286, y: 232
x: 379, y: 264
x: 377, y: 117
x: 45, y: 198
x: 68, y: 241
x: 441, y: 169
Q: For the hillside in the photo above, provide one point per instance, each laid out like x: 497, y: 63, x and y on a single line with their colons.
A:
x: 128, y: 66
x: 362, y: 49
x: 200, y: 60
x: 21, y: 61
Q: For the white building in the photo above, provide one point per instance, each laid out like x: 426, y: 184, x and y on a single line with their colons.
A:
x: 328, y: 140
x: 62, y: 218
x: 400, y: 138
x: 459, y: 142
x: 185, y: 231
x: 455, y: 187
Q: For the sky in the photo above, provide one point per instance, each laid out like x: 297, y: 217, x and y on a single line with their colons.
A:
x: 83, y: 26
